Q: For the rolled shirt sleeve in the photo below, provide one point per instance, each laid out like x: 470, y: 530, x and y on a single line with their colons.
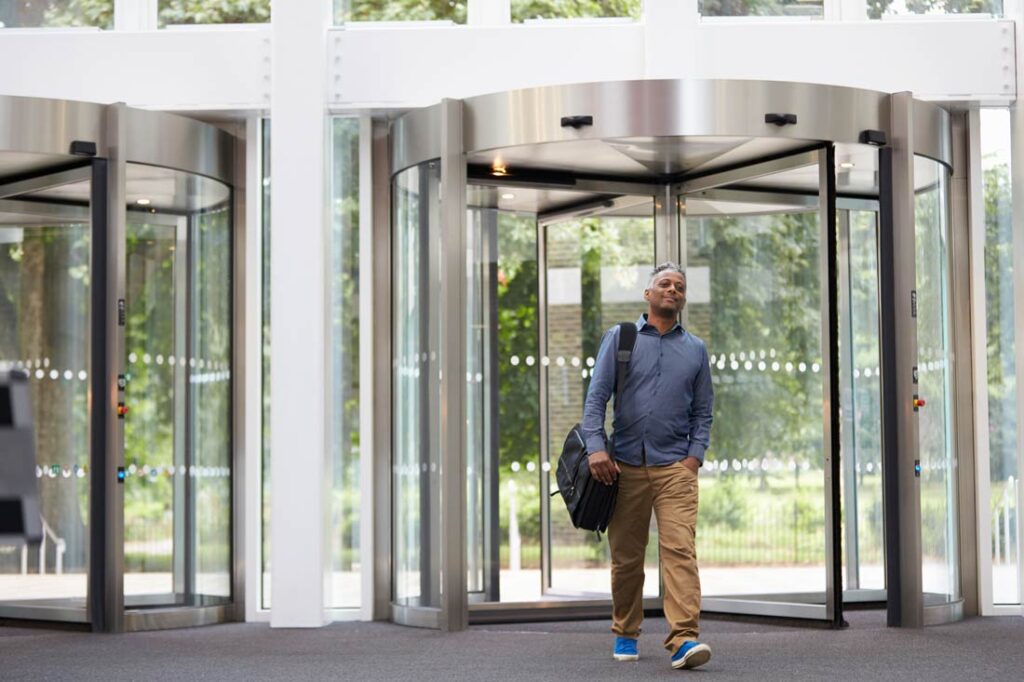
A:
x: 602, y: 384
x: 701, y: 409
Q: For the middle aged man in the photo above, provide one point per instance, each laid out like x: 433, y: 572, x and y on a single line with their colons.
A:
x: 660, y: 432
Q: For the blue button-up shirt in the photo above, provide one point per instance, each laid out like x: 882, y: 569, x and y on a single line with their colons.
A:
x: 667, y: 399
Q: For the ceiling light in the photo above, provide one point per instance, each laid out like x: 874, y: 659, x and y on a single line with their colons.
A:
x: 142, y: 202
x: 846, y: 165
x: 508, y: 196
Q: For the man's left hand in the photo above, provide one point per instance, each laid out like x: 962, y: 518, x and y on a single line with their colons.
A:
x: 692, y: 464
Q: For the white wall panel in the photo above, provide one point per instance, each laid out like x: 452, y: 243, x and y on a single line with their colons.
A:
x: 939, y: 60
x: 389, y: 67
x: 227, y: 68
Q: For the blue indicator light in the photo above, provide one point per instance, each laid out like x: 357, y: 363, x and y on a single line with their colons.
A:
x: 120, y: 474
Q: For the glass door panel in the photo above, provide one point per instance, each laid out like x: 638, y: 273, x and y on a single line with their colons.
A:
x: 595, y: 270
x: 45, y: 264
x: 755, y: 268
x: 503, y: 408
x: 415, y: 395
x: 860, y: 379
x: 178, y: 444
x: 939, y: 538
x: 762, y: 499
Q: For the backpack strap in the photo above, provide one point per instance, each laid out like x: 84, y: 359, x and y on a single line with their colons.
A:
x: 627, y: 341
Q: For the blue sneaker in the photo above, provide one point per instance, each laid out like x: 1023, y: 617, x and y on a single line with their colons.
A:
x: 691, y: 655
x: 625, y: 649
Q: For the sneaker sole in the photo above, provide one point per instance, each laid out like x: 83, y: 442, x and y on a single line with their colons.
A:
x: 626, y: 657
x: 695, y: 657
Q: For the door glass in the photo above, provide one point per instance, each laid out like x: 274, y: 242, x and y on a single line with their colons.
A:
x: 45, y: 253
x: 415, y: 395
x: 596, y: 271
x: 755, y: 299
x: 154, y: 448
x: 178, y: 446
x: 940, y: 569
x: 504, y: 500
x: 860, y: 382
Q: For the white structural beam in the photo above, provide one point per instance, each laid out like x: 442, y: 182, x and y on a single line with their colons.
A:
x: 223, y: 69
x: 943, y: 60
x: 391, y: 65
x: 300, y: 470
x: 670, y: 39
x: 951, y: 59
x: 375, y: 66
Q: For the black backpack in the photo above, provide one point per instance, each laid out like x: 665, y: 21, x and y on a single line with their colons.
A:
x: 590, y: 502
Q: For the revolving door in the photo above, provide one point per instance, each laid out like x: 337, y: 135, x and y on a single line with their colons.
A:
x: 526, y: 224
x: 116, y: 300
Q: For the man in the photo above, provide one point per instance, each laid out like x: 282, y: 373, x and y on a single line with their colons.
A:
x: 661, y: 431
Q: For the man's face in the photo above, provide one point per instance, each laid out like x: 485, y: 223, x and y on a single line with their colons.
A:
x: 667, y: 293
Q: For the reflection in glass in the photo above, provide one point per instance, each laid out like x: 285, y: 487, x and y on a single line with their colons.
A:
x: 597, y: 269
x: 755, y: 298
x: 44, y: 330
x: 940, y: 559
x: 1002, y: 390
x: 415, y: 395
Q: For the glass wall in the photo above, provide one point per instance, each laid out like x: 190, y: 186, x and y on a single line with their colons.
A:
x: 400, y: 10
x: 525, y: 10
x: 265, y: 368
x: 761, y: 8
x: 416, y: 447
x: 47, y: 13
x: 345, y: 324
x: 176, y: 12
x: 939, y: 539
x: 878, y: 9
x: 999, y: 323
x: 44, y: 330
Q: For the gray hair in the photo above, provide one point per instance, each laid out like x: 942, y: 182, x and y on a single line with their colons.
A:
x: 667, y: 266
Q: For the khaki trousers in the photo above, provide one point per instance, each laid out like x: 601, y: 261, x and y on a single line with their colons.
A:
x: 672, y: 493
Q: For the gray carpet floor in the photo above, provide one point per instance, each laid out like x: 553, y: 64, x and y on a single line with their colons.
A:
x: 977, y: 649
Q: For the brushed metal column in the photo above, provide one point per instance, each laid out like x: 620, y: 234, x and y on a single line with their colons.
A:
x: 113, y: 318
x: 454, y: 599
x: 898, y: 350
